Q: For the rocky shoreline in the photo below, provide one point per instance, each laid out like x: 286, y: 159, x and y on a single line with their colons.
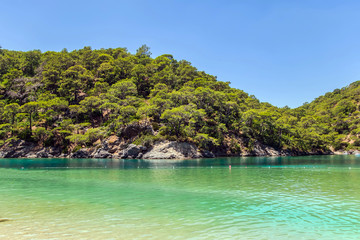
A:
x: 113, y: 148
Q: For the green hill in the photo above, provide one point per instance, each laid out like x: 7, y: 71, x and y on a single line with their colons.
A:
x: 76, y: 99
x: 334, y: 117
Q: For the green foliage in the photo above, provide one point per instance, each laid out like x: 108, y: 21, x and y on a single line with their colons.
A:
x: 4, y: 130
x: 64, y: 98
x: 178, y: 120
x: 88, y: 138
x: 42, y: 135
x: 146, y: 140
x: 205, y: 141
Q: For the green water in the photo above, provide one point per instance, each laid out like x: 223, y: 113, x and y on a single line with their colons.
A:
x: 258, y: 198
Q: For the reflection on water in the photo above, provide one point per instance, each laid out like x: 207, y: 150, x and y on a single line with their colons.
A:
x: 259, y: 198
x: 302, y: 161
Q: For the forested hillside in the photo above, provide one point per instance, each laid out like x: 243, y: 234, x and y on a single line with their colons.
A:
x: 335, y: 117
x: 77, y: 99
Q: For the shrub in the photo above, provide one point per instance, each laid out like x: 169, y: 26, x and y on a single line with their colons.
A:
x: 87, y: 138
x: 146, y: 140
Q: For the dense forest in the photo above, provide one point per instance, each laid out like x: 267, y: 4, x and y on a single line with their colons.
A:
x: 76, y: 99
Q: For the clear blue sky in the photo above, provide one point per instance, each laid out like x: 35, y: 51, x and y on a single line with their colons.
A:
x: 283, y: 52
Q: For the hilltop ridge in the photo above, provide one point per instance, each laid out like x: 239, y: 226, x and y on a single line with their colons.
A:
x: 64, y: 102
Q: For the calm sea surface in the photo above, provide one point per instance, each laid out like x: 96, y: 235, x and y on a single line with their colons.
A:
x: 313, y: 197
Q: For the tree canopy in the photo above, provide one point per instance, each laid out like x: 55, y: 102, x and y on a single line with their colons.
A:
x: 78, y: 97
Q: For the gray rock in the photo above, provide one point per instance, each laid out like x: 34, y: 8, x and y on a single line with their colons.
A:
x: 48, y: 152
x: 142, y: 148
x: 263, y: 150
x: 133, y: 151
x: 105, y: 146
x: 173, y: 150
x: 207, y: 154
x: 3, y: 154
x: 102, y: 153
x: 63, y: 155
x: 82, y: 153
x: 31, y: 155
x: 18, y: 148
x: 54, y: 151
x: 42, y: 154
x: 113, y: 149
x: 21, y: 148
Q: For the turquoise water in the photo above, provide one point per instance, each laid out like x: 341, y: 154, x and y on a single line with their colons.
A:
x: 313, y: 197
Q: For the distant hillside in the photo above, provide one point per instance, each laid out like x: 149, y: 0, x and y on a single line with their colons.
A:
x: 73, y: 100
x: 335, y: 117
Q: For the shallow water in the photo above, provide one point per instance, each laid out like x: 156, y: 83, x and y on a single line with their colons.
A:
x: 313, y: 197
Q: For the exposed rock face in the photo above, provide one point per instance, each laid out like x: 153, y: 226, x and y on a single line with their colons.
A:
x: 115, y: 147
x: 15, y: 149
x: 54, y: 151
x: 42, y: 154
x: 135, y: 129
x: 350, y: 152
x: 207, y: 154
x: 21, y: 148
x: 31, y: 155
x: 3, y: 154
x: 101, y: 153
x: 82, y: 153
x: 133, y: 151
x: 173, y: 150
x: 262, y: 150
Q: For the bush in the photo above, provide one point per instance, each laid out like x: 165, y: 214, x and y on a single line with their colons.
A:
x: 357, y: 143
x: 234, y: 146
x: 155, y: 126
x: 77, y: 148
x: 5, y: 129
x: 205, y: 141
x: 25, y: 134
x: 340, y: 145
x: 146, y: 140
x: 41, y: 134
x: 87, y: 138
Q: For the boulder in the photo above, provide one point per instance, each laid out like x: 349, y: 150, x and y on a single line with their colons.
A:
x: 54, y: 151
x: 17, y: 148
x: 42, y: 154
x: 113, y: 140
x: 3, y: 154
x: 260, y: 149
x: 207, y: 154
x: 82, y: 153
x: 173, y: 150
x: 102, y: 153
x: 133, y: 151
x: 31, y: 155
x: 63, y: 155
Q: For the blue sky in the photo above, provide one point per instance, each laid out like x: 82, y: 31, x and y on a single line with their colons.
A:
x: 283, y: 52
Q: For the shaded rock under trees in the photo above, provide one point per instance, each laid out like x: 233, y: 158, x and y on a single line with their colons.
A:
x: 82, y: 153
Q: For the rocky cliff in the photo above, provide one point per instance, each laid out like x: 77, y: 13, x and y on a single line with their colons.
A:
x: 113, y: 147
